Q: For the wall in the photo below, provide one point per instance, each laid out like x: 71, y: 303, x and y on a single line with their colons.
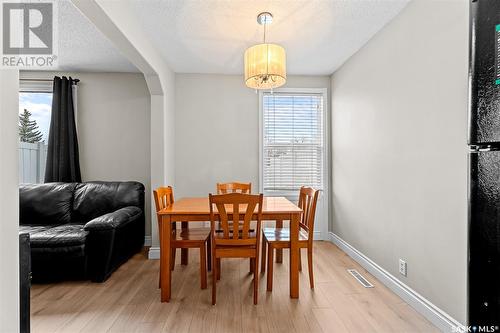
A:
x: 113, y: 128
x: 9, y: 202
x: 399, y: 116
x: 217, y: 130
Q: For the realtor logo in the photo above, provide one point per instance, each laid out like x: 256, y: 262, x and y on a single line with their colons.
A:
x: 28, y: 34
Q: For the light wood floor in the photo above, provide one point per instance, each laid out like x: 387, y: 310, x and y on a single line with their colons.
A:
x: 130, y: 301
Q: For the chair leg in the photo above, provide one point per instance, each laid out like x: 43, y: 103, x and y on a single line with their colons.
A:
x: 310, y: 264
x: 218, y: 268
x: 255, y: 279
x: 203, y: 266
x: 251, y: 265
x: 263, y: 260
x: 214, y: 278
x: 270, y: 258
x: 184, y: 252
x: 300, y: 260
x: 172, y: 258
x: 279, y: 252
x: 209, y: 255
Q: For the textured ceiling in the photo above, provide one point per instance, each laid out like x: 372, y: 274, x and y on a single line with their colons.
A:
x: 84, y: 48
x: 210, y: 36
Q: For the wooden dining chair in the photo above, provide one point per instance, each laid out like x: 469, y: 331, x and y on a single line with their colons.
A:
x: 186, y: 238
x: 279, y: 238
x: 234, y: 242
x: 236, y: 187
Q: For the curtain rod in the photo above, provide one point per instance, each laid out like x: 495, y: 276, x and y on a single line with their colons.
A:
x: 43, y: 80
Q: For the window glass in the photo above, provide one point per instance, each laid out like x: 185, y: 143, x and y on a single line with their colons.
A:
x: 293, y: 142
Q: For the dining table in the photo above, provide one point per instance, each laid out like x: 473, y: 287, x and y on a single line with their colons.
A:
x: 197, y: 209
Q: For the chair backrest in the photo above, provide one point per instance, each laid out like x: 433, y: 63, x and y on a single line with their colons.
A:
x: 308, y: 198
x: 234, y: 187
x: 237, y: 207
x: 164, y: 197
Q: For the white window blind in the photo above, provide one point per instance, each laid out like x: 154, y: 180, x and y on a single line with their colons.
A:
x: 293, y: 141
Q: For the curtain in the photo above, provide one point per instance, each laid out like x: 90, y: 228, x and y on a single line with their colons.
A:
x: 63, y: 163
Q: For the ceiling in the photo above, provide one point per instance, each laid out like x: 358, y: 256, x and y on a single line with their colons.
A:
x: 83, y: 48
x: 210, y: 36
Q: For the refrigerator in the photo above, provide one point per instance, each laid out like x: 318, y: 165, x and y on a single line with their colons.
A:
x: 484, y: 164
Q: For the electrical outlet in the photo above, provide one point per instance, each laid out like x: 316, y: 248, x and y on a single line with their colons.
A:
x: 402, y: 267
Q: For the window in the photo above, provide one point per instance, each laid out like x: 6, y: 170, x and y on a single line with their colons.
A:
x: 293, y: 141
x: 35, y: 105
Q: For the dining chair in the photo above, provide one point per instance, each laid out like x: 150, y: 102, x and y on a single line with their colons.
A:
x: 234, y: 242
x: 236, y: 187
x: 185, y: 238
x: 279, y: 238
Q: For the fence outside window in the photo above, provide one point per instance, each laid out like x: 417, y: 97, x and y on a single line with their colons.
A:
x: 32, y: 158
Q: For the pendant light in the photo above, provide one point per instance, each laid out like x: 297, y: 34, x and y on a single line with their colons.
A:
x: 265, y: 64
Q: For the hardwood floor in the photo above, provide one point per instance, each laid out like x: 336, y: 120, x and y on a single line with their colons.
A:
x: 130, y: 301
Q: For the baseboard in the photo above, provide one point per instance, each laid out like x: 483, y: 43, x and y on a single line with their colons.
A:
x: 317, y: 235
x: 435, y: 315
x: 154, y: 253
x: 147, y: 241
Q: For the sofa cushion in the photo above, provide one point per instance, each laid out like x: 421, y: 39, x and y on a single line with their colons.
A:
x: 93, y: 199
x: 66, y: 235
x: 45, y: 204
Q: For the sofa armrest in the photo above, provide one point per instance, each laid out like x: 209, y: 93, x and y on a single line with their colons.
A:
x: 114, y: 220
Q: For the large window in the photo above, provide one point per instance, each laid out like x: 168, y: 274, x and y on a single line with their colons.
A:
x: 293, y: 141
x: 35, y: 105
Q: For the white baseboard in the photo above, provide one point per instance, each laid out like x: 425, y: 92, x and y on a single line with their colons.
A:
x: 147, y: 241
x: 154, y: 253
x: 435, y: 315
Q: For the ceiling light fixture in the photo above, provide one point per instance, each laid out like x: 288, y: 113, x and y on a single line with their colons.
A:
x: 265, y: 64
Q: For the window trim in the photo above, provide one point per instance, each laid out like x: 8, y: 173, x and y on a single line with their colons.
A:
x: 326, y: 135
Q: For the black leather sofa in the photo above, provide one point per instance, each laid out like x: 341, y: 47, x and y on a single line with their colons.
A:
x: 81, y: 230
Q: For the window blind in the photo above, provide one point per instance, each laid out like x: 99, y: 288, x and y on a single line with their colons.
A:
x: 292, y: 152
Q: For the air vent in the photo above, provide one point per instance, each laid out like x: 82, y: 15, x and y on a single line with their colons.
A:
x: 361, y: 279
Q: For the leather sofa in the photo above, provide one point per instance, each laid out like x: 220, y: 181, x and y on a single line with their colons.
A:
x: 81, y: 230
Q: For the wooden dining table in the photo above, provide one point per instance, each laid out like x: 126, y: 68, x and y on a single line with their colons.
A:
x: 198, y: 210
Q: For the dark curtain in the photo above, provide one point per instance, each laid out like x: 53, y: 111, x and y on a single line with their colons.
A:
x: 63, y: 163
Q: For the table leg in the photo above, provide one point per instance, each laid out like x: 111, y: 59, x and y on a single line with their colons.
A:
x: 166, y: 273
x: 159, y: 237
x: 294, y: 256
x: 184, y: 252
x: 279, y: 252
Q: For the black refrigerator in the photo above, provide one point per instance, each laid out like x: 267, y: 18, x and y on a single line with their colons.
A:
x: 484, y: 163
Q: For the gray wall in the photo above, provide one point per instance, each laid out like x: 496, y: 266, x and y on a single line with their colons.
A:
x: 113, y: 128
x: 217, y: 130
x: 399, y: 150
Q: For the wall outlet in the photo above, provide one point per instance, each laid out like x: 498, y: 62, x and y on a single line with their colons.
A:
x: 402, y: 267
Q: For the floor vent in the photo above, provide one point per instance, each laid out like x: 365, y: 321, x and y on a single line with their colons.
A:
x: 361, y: 279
